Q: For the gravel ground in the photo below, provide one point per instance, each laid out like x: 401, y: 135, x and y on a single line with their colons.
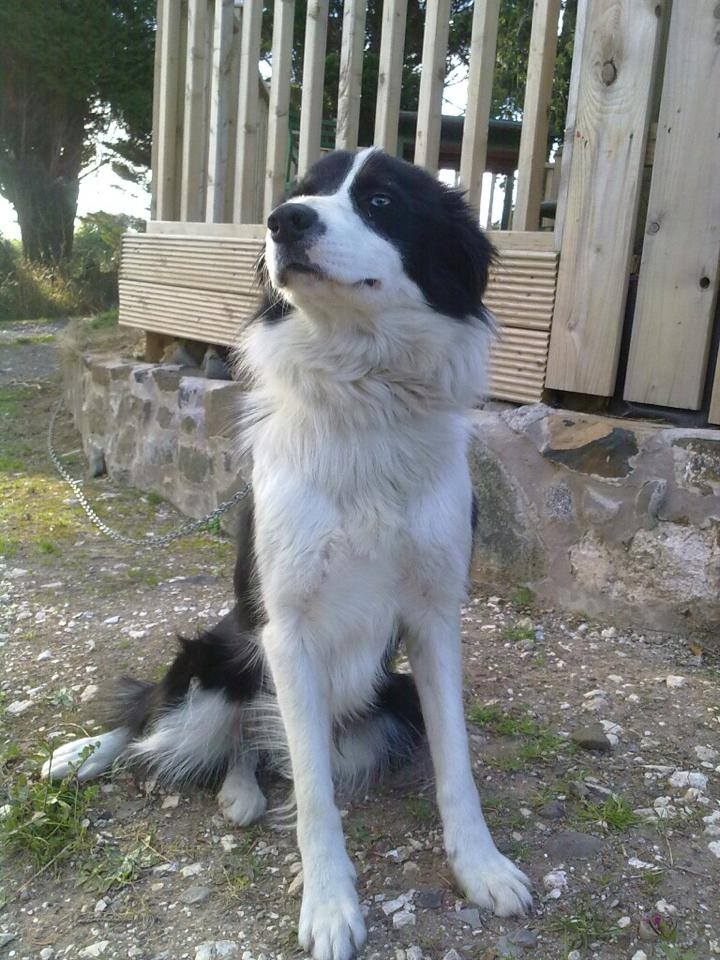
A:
x: 596, y: 749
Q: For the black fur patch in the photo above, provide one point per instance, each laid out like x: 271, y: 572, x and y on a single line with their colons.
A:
x: 443, y: 249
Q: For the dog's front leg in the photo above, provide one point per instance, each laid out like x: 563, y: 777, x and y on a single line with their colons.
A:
x: 331, y: 924
x: 487, y: 877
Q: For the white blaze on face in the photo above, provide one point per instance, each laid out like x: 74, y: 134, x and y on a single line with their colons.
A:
x: 348, y: 253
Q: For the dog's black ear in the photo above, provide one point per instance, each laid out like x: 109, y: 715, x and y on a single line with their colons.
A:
x: 457, y: 260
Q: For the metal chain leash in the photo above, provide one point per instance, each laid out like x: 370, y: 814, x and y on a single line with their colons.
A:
x: 151, y: 540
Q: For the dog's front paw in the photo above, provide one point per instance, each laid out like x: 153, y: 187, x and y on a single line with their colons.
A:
x: 331, y: 924
x: 491, y: 881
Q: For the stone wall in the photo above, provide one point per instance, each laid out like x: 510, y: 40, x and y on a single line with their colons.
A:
x: 603, y: 516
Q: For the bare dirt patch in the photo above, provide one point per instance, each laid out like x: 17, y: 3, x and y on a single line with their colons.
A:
x: 622, y: 842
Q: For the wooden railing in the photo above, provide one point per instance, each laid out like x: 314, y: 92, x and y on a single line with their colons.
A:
x: 221, y: 136
x: 638, y: 190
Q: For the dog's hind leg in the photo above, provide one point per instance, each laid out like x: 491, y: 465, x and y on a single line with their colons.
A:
x: 240, y: 799
x: 88, y: 757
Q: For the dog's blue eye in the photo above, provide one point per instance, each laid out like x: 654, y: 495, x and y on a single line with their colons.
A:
x: 380, y: 200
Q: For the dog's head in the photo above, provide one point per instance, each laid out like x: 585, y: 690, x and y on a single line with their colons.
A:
x: 373, y: 233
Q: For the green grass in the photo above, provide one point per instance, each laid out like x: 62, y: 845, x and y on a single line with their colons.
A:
x: 25, y: 338
x: 585, y: 923
x: 420, y: 809
x: 517, y: 633
x: 112, y: 868
x: 45, y: 820
x: 537, y: 742
x: 523, y: 597
x: 613, y: 814
x: 154, y: 499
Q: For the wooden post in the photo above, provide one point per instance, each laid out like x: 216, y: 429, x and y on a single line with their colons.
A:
x: 392, y: 47
x: 570, y: 119
x: 488, y: 220
x: 279, y: 110
x: 714, y: 415
x: 506, y: 215
x: 167, y: 113
x: 351, y: 68
x: 678, y: 285
x: 311, y: 103
x: 482, y: 67
x: 432, y: 83
x: 534, y: 134
x: 223, y: 110
x: 613, y: 115
x: 195, y: 123
x: 245, y: 195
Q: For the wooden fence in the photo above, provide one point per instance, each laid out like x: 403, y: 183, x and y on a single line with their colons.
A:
x: 628, y: 202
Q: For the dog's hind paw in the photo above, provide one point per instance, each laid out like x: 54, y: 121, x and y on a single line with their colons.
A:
x: 495, y: 883
x: 331, y: 924
x: 240, y: 799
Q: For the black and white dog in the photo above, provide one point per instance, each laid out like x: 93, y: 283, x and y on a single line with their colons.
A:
x: 366, y: 357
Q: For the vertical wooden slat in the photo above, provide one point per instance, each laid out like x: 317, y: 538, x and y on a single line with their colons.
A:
x: 157, y: 74
x: 482, y: 66
x: 245, y: 199
x: 279, y: 110
x: 392, y: 48
x: 714, y: 415
x: 166, y: 131
x: 311, y: 103
x: 432, y: 82
x: 223, y: 108
x: 613, y: 114
x: 678, y: 285
x: 570, y: 119
x: 195, y: 123
x: 534, y: 133
x: 488, y: 221
x: 351, y: 68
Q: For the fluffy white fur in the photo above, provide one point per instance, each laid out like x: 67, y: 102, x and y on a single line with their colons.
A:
x: 358, y: 428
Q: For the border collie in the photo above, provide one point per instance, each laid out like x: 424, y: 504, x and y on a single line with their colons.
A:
x: 366, y: 357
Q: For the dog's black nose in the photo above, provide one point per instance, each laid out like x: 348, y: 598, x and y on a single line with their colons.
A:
x: 291, y: 222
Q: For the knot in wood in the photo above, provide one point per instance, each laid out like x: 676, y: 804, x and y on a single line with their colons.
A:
x: 608, y: 72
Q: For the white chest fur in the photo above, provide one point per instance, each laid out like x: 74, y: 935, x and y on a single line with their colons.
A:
x: 362, y: 496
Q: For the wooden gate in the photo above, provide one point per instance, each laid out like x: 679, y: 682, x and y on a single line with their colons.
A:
x: 635, y: 54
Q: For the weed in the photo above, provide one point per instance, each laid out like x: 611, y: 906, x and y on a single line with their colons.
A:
x: 241, y: 875
x: 420, y: 808
x: 614, y: 813
x: 517, y: 633
x: 538, y: 743
x: 47, y: 819
x: 114, y: 869
x: 358, y: 832
x: 154, y: 499
x: 585, y: 924
x: 651, y: 880
x: 522, y: 596
x: 47, y: 546
x: 213, y: 525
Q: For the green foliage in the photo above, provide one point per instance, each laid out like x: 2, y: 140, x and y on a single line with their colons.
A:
x: 585, y: 923
x: 112, y: 868
x: 517, y: 633
x: 86, y: 283
x: 44, y: 819
x: 538, y: 744
x: 615, y: 813
x: 74, y: 72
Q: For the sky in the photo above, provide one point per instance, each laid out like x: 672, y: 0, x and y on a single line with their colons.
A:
x: 101, y: 189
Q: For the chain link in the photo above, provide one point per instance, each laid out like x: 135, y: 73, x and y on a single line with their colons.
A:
x: 151, y: 540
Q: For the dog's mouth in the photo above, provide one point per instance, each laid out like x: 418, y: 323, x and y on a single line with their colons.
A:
x: 310, y: 270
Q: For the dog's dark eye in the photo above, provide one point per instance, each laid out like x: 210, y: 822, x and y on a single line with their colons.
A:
x: 380, y: 200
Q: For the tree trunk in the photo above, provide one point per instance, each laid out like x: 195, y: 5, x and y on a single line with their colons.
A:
x: 46, y: 206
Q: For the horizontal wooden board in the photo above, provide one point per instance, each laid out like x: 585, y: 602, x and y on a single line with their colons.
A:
x: 203, y: 287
